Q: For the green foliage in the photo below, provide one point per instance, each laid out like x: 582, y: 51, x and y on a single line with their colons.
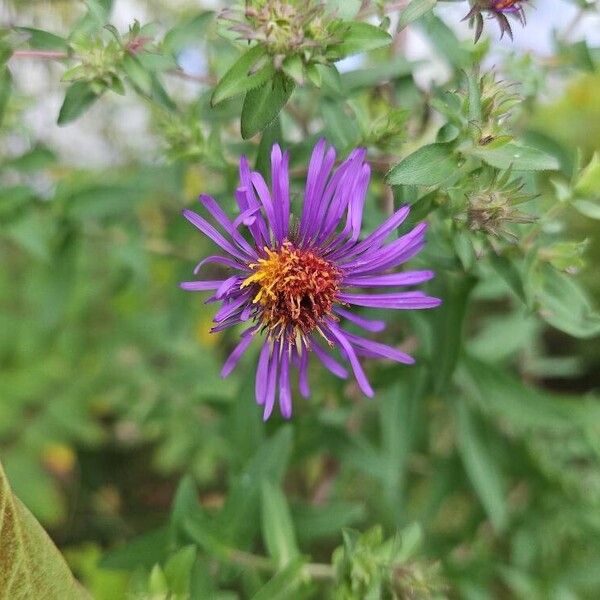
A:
x: 30, y: 565
x: 474, y: 473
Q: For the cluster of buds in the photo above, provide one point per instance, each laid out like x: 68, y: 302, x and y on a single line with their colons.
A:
x: 105, y: 58
x: 498, y: 99
x: 500, y: 10
x: 493, y: 207
x: 286, y: 28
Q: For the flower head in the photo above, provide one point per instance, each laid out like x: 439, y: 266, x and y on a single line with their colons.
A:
x: 497, y: 9
x: 286, y: 27
x: 293, y: 281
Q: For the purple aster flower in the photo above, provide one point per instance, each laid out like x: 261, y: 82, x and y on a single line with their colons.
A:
x: 294, y: 281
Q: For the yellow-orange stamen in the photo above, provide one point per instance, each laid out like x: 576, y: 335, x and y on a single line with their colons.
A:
x: 295, y: 288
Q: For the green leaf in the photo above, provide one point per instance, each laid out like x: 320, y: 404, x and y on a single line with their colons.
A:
x: 588, y: 208
x: 99, y: 9
x: 323, y: 521
x: 185, y: 505
x: 251, y: 70
x: 263, y: 104
x: 341, y: 129
x: 481, y: 466
x: 143, y: 551
x: 564, y: 305
x: 187, y: 32
x: 445, y: 41
x: 5, y: 91
x: 44, y: 40
x: 511, y: 273
x: 448, y: 329
x: 283, y: 584
x: 78, y: 99
x: 524, y: 408
x: 178, y: 570
x: 376, y: 74
x: 415, y: 10
x: 361, y: 37
x: 137, y: 75
x: 278, y: 530
x: 239, y: 520
x: 272, y: 134
x: 429, y: 165
x: 588, y: 182
x: 30, y: 564
x: 517, y: 158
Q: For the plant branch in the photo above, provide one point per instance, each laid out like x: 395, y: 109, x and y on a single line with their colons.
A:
x: 40, y: 54
x: 262, y: 563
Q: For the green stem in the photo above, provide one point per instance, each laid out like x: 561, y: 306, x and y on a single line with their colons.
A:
x: 262, y: 563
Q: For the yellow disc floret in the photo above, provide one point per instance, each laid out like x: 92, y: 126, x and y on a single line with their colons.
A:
x: 295, y: 289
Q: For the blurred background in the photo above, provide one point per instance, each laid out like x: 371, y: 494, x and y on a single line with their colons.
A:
x: 109, y: 384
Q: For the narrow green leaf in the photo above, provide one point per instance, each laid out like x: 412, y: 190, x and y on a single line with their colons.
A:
x: 511, y: 273
x: 445, y: 41
x: 5, y: 91
x: 239, y: 521
x: 565, y: 305
x: 178, y: 570
x: 283, y: 584
x: 185, y: 505
x: 429, y: 165
x: 187, y: 32
x: 143, y: 551
x: 39, y: 39
x: 78, y: 99
x: 361, y: 37
x: 588, y: 182
x: 251, y: 70
x: 481, y: 466
x: 341, y: 130
x: 30, y: 564
x: 137, y: 75
x: 263, y: 104
x: 415, y: 10
x: 448, y: 329
x: 278, y: 530
x: 588, y: 208
x: 517, y: 158
x: 318, y: 522
x: 272, y: 134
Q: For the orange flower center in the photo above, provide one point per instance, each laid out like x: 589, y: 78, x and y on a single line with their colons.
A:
x: 295, y: 288
x: 504, y: 4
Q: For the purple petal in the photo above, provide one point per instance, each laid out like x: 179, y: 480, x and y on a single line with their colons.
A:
x: 378, y: 350
x: 262, y: 373
x: 406, y: 300
x: 217, y: 212
x: 237, y: 353
x: 272, y: 381
x: 265, y: 197
x: 208, y: 230
x: 201, y: 286
x: 391, y: 279
x: 330, y: 363
x: 223, y: 260
x: 303, y: 385
x: 227, y: 285
x: 375, y: 239
x: 285, y: 392
x: 361, y: 378
x: 367, y: 324
x: 280, y: 185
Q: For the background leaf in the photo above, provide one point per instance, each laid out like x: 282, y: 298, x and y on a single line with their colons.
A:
x: 30, y: 564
